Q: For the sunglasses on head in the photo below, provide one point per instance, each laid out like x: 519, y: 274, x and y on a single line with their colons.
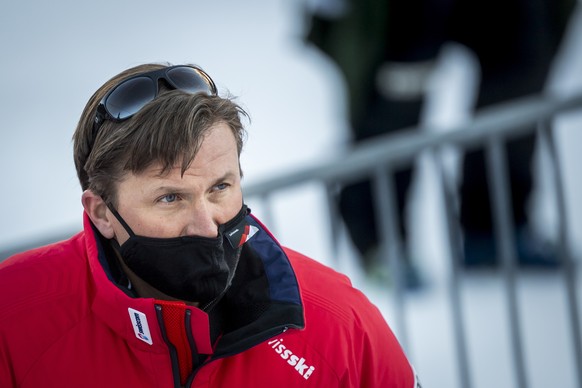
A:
x: 132, y: 94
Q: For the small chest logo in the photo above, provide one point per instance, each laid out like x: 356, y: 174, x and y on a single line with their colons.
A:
x: 139, y: 322
x: 299, y: 363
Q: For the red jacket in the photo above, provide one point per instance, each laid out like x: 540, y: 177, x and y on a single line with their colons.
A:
x: 68, y: 320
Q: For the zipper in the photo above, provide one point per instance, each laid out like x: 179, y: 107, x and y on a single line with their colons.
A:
x: 195, y: 355
x: 172, y: 349
x: 193, y: 348
x: 271, y: 334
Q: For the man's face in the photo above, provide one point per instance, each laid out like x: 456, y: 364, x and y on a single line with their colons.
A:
x: 172, y: 205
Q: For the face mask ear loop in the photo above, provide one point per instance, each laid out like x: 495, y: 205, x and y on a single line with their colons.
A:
x: 243, y: 212
x: 120, y: 219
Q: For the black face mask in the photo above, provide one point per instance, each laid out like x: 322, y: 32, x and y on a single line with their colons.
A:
x: 189, y: 268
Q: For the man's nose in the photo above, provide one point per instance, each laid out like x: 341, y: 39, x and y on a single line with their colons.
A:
x: 202, y: 221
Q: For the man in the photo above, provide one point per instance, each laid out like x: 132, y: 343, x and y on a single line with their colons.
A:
x: 173, y: 282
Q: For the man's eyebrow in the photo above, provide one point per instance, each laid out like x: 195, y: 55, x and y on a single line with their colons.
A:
x: 166, y: 189
x: 226, y: 176
x: 179, y: 189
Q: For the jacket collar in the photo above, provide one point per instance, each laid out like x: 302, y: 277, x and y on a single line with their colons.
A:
x: 263, y: 300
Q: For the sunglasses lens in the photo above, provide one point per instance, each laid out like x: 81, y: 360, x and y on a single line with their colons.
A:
x: 130, y: 96
x: 189, y: 79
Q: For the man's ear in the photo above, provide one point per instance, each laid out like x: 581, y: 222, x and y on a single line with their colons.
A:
x: 96, y: 209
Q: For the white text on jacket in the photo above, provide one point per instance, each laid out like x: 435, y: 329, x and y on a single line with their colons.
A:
x: 286, y: 354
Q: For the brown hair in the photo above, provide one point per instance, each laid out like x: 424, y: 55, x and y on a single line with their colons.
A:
x: 168, y: 130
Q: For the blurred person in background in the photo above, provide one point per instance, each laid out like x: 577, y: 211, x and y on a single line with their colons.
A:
x: 387, y: 50
x: 515, y: 43
x: 173, y: 282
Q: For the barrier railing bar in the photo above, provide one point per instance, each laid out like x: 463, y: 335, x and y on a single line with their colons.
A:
x: 390, y: 245
x: 267, y: 215
x: 453, y: 285
x: 497, y: 174
x: 334, y: 223
x: 510, y: 119
x: 568, y: 269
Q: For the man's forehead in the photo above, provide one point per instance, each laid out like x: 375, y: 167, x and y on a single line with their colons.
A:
x: 157, y: 171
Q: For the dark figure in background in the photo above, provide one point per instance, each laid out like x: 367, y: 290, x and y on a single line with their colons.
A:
x: 386, y: 49
x: 515, y: 42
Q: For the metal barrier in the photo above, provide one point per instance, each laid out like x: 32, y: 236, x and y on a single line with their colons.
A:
x: 491, y: 128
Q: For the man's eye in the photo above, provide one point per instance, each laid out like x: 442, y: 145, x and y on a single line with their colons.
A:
x: 221, y: 186
x: 169, y: 198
